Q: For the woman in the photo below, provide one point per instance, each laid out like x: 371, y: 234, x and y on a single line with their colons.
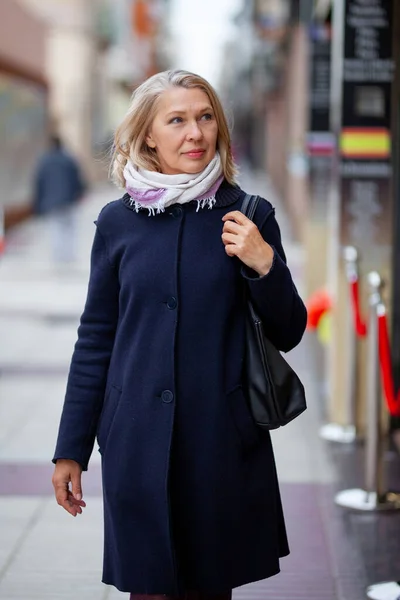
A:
x: 191, y: 499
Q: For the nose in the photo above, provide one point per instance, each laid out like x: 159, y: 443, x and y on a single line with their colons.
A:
x: 194, y: 132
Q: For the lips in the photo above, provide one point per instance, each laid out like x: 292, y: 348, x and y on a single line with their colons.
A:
x: 195, y: 153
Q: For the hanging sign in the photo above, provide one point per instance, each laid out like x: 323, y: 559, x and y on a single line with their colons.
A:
x: 368, y: 70
x: 364, y: 144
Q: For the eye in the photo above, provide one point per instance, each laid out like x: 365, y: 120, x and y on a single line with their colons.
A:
x: 175, y: 120
x: 207, y: 117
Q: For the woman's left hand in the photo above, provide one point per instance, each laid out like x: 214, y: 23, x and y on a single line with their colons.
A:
x: 242, y: 238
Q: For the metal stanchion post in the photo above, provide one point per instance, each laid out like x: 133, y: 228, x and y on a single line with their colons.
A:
x: 333, y: 432
x: 373, y: 496
x: 373, y: 447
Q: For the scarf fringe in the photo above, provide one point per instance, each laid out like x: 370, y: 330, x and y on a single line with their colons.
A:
x: 206, y: 202
x: 160, y: 208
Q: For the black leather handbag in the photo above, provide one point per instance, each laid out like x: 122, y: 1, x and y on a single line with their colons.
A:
x: 274, y: 391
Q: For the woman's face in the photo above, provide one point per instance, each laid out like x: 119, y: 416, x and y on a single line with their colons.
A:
x: 184, y: 131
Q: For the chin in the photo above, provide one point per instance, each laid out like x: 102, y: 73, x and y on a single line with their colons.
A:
x: 194, y: 170
x: 194, y: 166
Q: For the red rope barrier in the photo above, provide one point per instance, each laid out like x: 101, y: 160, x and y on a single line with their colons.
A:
x: 392, y: 402
x: 359, y: 324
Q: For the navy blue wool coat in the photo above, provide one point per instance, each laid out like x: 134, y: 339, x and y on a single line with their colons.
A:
x: 191, y: 498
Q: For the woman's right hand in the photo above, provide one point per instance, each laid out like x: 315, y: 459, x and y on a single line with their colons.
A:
x: 67, y: 471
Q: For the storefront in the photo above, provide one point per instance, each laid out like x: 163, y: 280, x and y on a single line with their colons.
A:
x: 23, y: 106
x: 395, y: 423
x: 365, y: 191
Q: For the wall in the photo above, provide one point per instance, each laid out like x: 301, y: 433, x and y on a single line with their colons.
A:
x: 23, y: 102
x: 72, y: 51
x: 287, y: 111
x: 22, y: 42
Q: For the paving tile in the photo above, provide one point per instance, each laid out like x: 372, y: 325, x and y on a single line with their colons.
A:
x: 45, y: 297
x: 36, y: 437
x: 15, y: 517
x: 29, y: 407
x: 60, y: 556
x: 30, y: 410
x: 18, y: 398
x: 34, y: 479
x: 374, y: 538
x: 62, y: 585
x: 37, y: 340
x: 114, y: 594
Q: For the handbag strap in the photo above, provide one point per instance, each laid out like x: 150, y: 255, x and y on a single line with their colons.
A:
x: 249, y: 206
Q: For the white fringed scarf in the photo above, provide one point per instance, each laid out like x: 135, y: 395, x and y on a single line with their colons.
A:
x: 156, y: 191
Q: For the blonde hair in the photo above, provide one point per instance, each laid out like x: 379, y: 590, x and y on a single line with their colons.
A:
x: 130, y: 136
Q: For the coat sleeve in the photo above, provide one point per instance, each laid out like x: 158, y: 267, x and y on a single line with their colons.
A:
x: 90, y: 360
x: 275, y: 296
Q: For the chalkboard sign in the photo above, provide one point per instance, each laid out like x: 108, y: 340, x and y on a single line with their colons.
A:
x: 368, y: 71
x: 365, y: 146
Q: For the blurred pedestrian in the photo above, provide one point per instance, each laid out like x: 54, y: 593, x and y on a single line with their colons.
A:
x: 191, y: 499
x: 58, y: 186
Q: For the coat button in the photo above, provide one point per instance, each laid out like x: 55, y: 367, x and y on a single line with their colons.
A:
x: 167, y: 396
x: 176, y: 212
x: 172, y: 303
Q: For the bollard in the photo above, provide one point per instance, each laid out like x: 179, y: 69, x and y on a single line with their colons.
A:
x: 374, y: 496
x: 386, y: 590
x: 333, y: 432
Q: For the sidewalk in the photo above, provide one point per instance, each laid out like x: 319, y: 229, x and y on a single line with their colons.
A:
x: 44, y: 553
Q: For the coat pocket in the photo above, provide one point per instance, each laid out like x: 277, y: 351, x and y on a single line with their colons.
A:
x: 246, y: 428
x: 107, y: 416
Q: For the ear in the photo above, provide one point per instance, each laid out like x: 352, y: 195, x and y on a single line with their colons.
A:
x: 149, y: 141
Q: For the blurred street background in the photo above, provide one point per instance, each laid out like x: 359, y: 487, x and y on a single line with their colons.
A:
x: 312, y: 91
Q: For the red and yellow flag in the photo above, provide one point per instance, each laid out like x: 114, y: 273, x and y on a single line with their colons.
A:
x: 365, y: 142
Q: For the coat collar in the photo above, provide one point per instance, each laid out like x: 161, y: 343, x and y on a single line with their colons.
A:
x: 226, y: 195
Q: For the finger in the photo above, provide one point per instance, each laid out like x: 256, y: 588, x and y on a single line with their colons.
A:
x: 232, y: 227
x: 75, y: 504
x: 60, y: 490
x: 230, y: 238
x: 69, y: 507
x: 76, y: 484
x: 63, y: 494
x: 231, y: 250
x: 65, y: 503
x: 74, y: 501
x: 237, y: 216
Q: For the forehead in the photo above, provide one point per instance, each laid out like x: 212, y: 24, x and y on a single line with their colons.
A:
x: 182, y: 99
